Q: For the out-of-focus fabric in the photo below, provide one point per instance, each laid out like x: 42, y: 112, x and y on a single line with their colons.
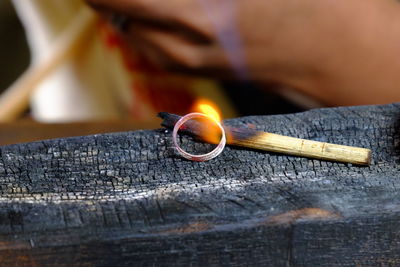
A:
x: 104, y: 79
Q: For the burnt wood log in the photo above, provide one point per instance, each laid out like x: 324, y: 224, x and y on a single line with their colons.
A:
x: 128, y: 199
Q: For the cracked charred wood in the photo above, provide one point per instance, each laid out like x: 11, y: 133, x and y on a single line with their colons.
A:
x: 129, y: 199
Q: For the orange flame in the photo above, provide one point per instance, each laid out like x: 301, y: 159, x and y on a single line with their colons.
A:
x: 207, y: 107
x: 211, y: 133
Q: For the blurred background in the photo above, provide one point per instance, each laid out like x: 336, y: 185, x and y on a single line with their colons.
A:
x: 79, y: 79
x: 14, y: 51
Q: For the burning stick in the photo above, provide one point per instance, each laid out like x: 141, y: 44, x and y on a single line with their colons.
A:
x: 250, y: 138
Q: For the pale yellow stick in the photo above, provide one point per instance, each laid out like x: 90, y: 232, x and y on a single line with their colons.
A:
x: 305, y: 148
x: 16, y: 98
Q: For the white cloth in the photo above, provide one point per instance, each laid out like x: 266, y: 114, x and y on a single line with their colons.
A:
x: 82, y: 88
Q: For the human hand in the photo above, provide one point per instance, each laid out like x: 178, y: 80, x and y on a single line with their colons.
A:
x: 323, y: 48
x: 214, y: 37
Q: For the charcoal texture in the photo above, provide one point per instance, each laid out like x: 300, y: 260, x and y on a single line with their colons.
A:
x: 127, y: 199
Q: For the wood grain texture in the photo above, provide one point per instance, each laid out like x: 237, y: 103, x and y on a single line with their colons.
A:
x: 127, y: 199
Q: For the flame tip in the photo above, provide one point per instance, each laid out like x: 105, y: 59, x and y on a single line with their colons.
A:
x: 207, y: 107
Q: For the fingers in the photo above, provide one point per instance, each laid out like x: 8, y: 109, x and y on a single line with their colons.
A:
x: 132, y: 9
x: 138, y: 8
x: 190, y: 20
x: 174, y: 53
x: 176, y: 34
x: 121, y: 6
x: 172, y: 50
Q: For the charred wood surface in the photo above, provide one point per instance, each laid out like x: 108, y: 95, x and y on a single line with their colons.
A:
x: 128, y: 199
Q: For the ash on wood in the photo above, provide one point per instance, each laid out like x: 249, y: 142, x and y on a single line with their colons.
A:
x: 128, y: 199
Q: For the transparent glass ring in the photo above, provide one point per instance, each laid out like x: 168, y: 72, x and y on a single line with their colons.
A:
x: 203, y: 157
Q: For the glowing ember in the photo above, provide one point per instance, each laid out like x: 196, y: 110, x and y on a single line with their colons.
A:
x: 209, y: 108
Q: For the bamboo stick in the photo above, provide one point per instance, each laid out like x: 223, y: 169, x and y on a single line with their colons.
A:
x: 301, y: 147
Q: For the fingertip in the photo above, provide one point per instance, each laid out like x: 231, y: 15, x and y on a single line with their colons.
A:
x: 115, y: 5
x: 95, y: 5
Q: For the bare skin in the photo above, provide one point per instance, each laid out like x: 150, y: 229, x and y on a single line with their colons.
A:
x: 341, y: 52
